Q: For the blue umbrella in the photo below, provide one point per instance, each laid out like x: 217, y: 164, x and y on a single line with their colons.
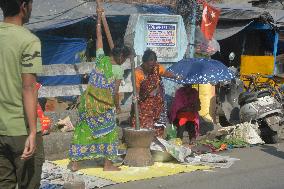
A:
x: 201, y: 71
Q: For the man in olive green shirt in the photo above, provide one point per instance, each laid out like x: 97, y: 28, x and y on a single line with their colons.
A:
x: 21, y: 148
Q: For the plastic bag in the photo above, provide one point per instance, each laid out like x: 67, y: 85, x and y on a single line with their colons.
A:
x: 176, y: 141
x: 178, y: 152
x: 171, y: 132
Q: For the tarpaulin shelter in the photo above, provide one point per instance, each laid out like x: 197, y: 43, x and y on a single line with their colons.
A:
x: 65, y: 29
x: 245, y: 30
x: 234, y: 19
x: 50, y: 14
x: 253, y: 9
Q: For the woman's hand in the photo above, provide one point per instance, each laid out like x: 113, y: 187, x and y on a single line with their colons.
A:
x: 100, y: 10
x: 171, y: 75
x: 178, y: 77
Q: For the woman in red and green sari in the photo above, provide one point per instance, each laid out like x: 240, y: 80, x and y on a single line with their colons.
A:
x: 151, y: 93
x: 96, y: 135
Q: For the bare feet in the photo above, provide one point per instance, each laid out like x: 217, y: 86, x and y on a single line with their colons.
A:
x: 75, y: 166
x: 108, y: 166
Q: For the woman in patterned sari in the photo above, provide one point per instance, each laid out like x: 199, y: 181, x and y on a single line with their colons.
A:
x: 151, y: 93
x: 96, y: 135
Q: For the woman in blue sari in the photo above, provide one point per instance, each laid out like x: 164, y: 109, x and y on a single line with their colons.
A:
x: 96, y: 134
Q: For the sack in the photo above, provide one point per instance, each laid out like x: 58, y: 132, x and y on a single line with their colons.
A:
x: 171, y: 132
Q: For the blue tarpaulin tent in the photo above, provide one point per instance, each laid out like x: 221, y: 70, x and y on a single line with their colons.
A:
x: 61, y: 50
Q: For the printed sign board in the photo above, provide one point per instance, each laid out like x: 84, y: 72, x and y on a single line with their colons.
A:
x: 161, y: 35
x: 164, y: 34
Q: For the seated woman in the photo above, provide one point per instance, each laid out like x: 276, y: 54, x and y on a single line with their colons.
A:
x: 184, y: 112
x: 96, y: 135
x: 151, y: 92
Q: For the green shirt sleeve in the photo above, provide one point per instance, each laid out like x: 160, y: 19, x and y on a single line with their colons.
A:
x: 100, y: 53
x: 31, y: 61
x: 117, y: 72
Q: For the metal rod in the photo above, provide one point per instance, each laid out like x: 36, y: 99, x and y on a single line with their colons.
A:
x: 136, y: 110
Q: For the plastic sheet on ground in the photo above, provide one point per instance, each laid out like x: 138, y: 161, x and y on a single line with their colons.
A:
x: 128, y: 174
x: 245, y: 131
x: 212, y: 160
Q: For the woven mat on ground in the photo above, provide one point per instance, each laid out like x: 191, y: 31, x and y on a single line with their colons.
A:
x: 136, y: 173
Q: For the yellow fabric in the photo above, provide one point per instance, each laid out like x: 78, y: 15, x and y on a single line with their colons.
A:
x: 257, y: 64
x: 207, y: 99
x: 137, y: 173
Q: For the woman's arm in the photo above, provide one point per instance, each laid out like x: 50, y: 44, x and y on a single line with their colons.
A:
x: 164, y: 73
x: 169, y: 75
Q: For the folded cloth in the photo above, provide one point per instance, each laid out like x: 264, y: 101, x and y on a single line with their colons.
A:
x: 185, y: 117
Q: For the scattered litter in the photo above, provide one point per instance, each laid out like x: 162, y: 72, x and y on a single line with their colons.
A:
x: 65, y: 125
x: 212, y: 160
x: 179, y: 152
x: 55, y: 177
x: 245, y: 131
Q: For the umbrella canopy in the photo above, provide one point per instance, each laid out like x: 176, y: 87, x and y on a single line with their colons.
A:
x: 201, y: 71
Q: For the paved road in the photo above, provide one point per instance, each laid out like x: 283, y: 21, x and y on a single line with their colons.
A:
x: 259, y: 168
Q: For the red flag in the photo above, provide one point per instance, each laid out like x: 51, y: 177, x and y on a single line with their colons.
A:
x: 210, y: 17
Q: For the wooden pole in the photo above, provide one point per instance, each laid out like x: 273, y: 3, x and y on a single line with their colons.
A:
x: 136, y: 110
x: 192, y: 31
x: 106, y: 28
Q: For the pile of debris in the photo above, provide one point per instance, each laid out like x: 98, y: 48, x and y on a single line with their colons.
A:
x: 247, y: 132
x: 56, y: 177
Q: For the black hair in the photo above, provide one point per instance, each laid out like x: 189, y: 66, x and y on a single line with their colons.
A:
x: 149, y: 55
x: 12, y: 7
x: 121, y: 50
